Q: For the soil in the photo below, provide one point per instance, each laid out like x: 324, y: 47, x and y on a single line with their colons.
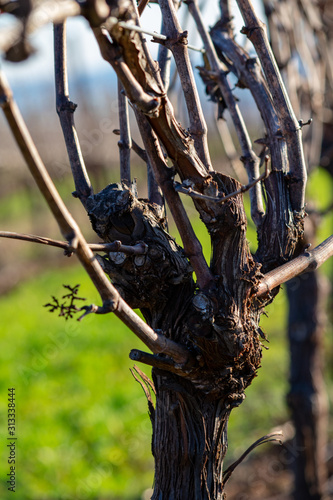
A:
x: 268, y: 476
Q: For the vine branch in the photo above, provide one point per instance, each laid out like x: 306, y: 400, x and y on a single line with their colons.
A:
x: 309, y: 261
x: 177, y: 43
x: 125, y: 141
x: 182, y: 188
x: 115, y: 246
x: 65, y: 109
x: 163, y: 174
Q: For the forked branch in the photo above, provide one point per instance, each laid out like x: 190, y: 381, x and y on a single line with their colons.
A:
x: 145, y: 91
x: 290, y: 128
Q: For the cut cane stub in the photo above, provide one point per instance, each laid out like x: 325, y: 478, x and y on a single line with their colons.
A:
x: 117, y: 257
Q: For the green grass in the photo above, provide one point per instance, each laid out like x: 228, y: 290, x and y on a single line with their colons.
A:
x: 82, y: 426
x: 320, y: 188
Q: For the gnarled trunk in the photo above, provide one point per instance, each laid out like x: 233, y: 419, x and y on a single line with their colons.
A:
x: 219, y: 326
x: 189, y: 441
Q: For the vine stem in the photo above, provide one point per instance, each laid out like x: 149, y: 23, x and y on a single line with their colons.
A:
x: 125, y: 141
x: 191, y: 243
x: 115, y: 246
x: 65, y: 109
x: 309, y: 261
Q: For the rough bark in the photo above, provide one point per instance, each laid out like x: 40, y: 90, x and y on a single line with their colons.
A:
x: 220, y: 327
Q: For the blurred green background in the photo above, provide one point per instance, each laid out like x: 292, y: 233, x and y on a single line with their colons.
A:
x: 83, y: 431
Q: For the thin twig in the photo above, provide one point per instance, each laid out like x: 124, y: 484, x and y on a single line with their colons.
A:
x: 309, y: 261
x: 35, y: 239
x: 273, y: 436
x: 165, y: 58
x: 154, y: 191
x: 154, y: 34
x: 164, y: 61
x: 237, y: 167
x: 147, y: 386
x: 141, y: 378
x: 115, y: 246
x: 149, y: 383
x: 112, y: 301
x: 135, y: 146
x: 65, y: 109
x: 181, y: 188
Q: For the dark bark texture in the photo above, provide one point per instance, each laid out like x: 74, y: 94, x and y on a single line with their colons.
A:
x: 219, y: 326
